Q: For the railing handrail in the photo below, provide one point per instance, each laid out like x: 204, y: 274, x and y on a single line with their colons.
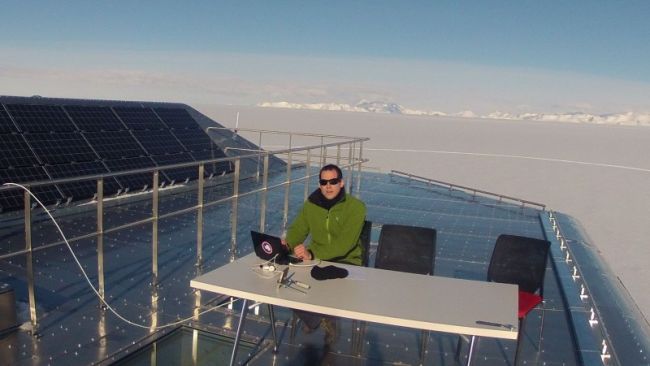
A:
x: 475, y: 190
x: 237, y: 129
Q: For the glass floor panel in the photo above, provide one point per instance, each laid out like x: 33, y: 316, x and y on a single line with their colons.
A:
x: 185, y: 346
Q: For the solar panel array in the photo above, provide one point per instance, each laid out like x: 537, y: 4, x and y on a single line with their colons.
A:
x: 44, y: 142
x: 6, y: 125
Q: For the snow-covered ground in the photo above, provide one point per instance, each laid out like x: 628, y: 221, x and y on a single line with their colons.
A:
x: 599, y: 174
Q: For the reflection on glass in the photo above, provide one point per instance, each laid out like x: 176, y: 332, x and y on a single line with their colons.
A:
x: 154, y: 311
x: 101, y: 332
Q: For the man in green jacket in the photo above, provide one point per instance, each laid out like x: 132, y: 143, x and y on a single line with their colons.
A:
x: 335, y: 220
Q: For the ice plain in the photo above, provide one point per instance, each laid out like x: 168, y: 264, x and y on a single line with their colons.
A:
x: 599, y: 174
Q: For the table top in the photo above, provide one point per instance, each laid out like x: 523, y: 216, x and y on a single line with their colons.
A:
x: 396, y: 298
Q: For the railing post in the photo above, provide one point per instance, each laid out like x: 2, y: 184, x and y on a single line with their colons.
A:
x: 307, y: 173
x: 350, y: 163
x: 29, y: 261
x: 265, y: 185
x: 259, y: 147
x: 100, y: 239
x: 323, y: 151
x: 153, y: 354
x: 154, y: 310
x: 101, y: 332
x: 287, y: 188
x: 197, y: 300
x: 195, y: 347
x: 290, y: 142
x: 233, y: 212
x: 199, y: 216
x: 360, y: 164
x: 338, y: 154
x: 154, y: 229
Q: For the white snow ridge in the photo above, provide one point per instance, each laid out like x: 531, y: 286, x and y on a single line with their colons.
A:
x: 364, y: 106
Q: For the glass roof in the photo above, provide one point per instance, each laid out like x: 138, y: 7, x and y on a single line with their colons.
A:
x: 467, y: 228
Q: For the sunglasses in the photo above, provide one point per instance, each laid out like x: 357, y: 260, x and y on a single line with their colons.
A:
x: 332, y: 181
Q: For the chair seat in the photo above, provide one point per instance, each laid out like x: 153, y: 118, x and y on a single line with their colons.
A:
x: 527, y: 302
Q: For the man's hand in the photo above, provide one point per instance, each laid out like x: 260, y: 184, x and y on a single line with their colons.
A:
x: 301, y: 252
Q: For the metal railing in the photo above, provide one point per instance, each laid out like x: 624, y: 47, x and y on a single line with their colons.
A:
x: 303, y: 156
x: 589, y: 331
x: 473, y: 191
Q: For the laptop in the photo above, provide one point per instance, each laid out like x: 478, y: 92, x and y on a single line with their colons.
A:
x: 268, y: 246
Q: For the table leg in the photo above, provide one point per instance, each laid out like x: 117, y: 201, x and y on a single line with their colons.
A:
x: 275, y: 337
x: 423, y: 345
x: 471, y: 351
x: 240, y: 326
x: 358, y: 334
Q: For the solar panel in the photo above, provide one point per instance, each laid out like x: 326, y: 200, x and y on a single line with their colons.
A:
x: 158, y: 142
x: 23, y: 174
x: 10, y: 200
x: 15, y: 152
x: 194, y: 140
x: 82, y: 189
x: 94, y: 118
x: 208, y: 154
x: 178, y: 174
x: 137, y: 118
x: 40, y: 118
x: 172, y: 159
x: 60, y: 148
x: 41, y: 142
x: 6, y: 124
x: 114, y: 144
x: 120, y: 165
x: 213, y: 168
x: 14, y: 199
x: 132, y: 181
x: 177, y: 118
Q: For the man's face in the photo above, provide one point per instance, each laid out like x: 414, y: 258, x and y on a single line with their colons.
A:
x: 330, y: 190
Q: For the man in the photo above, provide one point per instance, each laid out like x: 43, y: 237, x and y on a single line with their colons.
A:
x: 334, y: 219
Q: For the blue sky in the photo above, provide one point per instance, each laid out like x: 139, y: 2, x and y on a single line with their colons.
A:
x: 515, y: 56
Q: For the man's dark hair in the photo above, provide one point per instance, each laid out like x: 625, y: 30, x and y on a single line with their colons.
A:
x: 339, y: 173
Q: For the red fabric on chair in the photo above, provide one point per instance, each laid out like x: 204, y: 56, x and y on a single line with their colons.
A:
x: 527, y: 302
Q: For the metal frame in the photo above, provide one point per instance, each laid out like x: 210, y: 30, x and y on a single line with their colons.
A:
x: 234, y: 178
x: 474, y: 191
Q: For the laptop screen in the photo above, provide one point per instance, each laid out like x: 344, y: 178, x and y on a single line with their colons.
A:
x: 267, y: 246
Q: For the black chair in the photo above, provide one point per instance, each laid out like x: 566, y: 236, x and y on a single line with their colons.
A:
x: 407, y: 249
x: 520, y: 260
x: 365, y: 242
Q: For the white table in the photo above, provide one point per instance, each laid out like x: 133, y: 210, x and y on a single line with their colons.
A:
x: 431, y: 303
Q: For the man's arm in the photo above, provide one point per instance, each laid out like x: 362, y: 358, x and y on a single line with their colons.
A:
x: 298, y: 230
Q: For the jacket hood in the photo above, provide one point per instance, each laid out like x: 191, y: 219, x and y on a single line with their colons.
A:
x: 317, y: 198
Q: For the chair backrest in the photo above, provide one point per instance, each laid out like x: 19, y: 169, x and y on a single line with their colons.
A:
x: 365, y: 242
x: 406, y: 249
x: 519, y: 260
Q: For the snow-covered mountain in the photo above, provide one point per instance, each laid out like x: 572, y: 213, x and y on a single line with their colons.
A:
x: 364, y: 106
x: 629, y: 118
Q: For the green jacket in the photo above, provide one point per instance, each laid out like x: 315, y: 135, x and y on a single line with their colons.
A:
x: 334, y: 232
